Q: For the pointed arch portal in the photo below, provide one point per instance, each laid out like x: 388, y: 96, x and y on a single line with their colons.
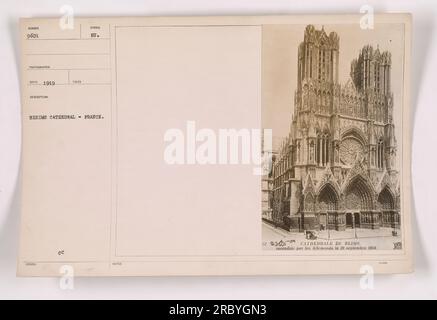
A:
x: 389, y: 214
x: 328, y: 199
x: 386, y: 200
x: 328, y: 206
x: 358, y: 195
x: 359, y: 205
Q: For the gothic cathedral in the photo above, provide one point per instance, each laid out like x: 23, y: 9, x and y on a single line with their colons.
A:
x: 337, y: 168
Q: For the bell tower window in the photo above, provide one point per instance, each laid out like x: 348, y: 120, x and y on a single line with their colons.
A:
x: 380, y: 154
x: 322, y: 149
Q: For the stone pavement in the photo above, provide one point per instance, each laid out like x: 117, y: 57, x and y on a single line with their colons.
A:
x: 378, y: 239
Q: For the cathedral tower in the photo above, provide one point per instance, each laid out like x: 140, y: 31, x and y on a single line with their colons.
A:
x: 337, y: 167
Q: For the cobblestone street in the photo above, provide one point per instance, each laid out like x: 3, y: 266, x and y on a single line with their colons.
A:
x: 380, y: 239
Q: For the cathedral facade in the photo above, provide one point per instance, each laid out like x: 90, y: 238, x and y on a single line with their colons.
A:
x: 337, y: 167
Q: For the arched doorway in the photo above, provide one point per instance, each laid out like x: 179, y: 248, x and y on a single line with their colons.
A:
x: 353, y: 220
x: 357, y: 219
x: 328, y: 205
x: 359, y: 201
x: 389, y: 216
x: 349, y: 220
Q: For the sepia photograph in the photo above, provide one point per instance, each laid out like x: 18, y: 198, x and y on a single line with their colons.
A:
x: 215, y: 156
x: 332, y: 97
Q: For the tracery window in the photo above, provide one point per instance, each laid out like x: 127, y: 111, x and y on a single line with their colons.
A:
x: 351, y: 149
x: 380, y: 154
x: 320, y: 66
